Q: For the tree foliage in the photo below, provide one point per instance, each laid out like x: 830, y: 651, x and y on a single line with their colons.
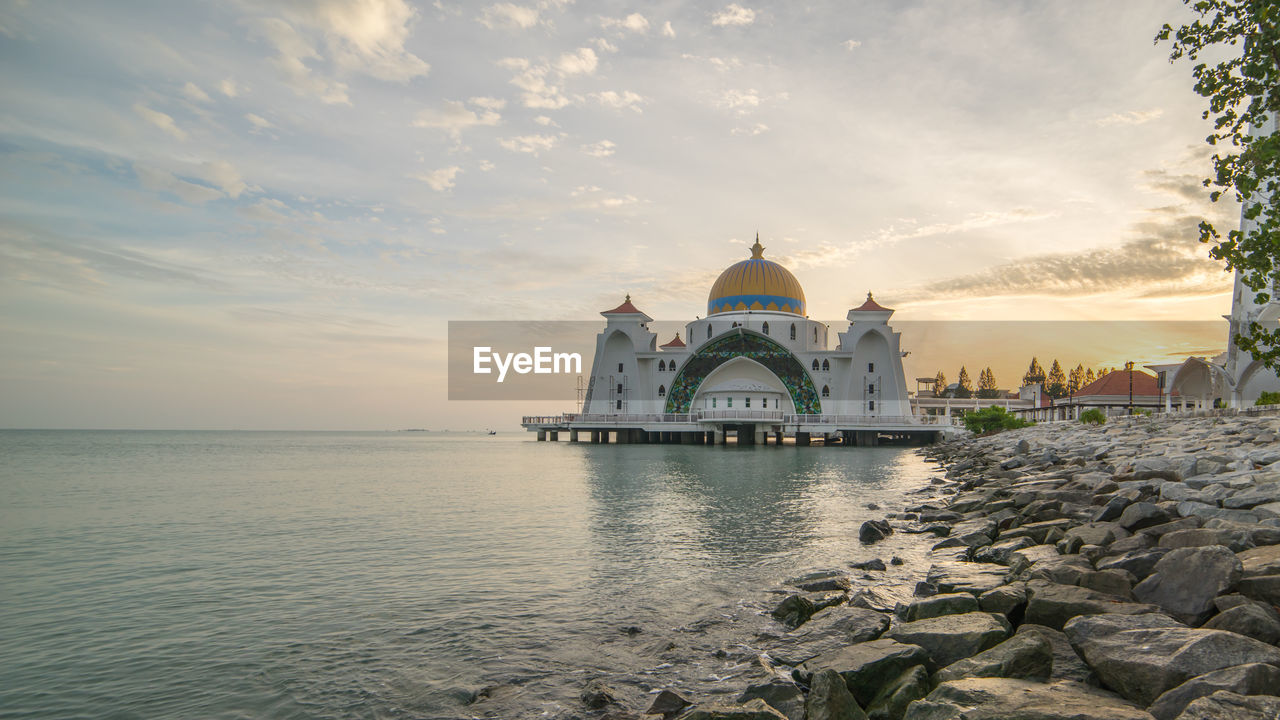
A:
x: 1056, y: 382
x: 987, y: 384
x: 1075, y: 380
x: 964, y: 386
x: 1093, y: 416
x: 992, y: 419
x: 1034, y: 374
x: 1243, y: 91
x: 1089, y: 377
x: 939, y: 385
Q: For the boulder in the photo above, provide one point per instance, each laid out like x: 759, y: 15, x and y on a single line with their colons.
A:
x: 951, y: 576
x: 1013, y: 699
x: 1053, y: 604
x: 999, y: 552
x: 826, y: 631
x: 1224, y: 705
x: 1148, y: 659
x: 1004, y: 599
x: 752, y: 710
x: 892, y: 700
x: 1026, y: 655
x: 780, y: 694
x: 597, y: 695
x: 1262, y: 587
x: 1140, y: 563
x: 1143, y: 515
x: 1237, y: 540
x: 829, y: 699
x: 951, y: 637
x: 1067, y: 665
x: 1249, y: 619
x: 874, y: 531
x: 1251, y: 679
x: 872, y: 564
x: 1260, y: 561
x: 1113, y: 581
x: 938, y: 605
x: 1186, y: 581
x: 865, y: 667
x: 822, y: 581
x: 794, y: 610
x: 667, y: 703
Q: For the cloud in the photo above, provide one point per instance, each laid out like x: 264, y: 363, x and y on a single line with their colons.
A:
x: 667, y: 30
x: 619, y: 101
x: 221, y: 174
x: 721, y: 64
x: 509, y: 15
x: 532, y: 79
x: 604, y: 148
x: 973, y: 221
x: 153, y: 178
x: 38, y: 256
x: 532, y: 144
x: 258, y: 122
x: 193, y: 92
x: 544, y: 121
x: 734, y: 14
x: 604, y: 45
x: 742, y: 101
x: 635, y: 22
x: 752, y: 131
x: 582, y: 62
x: 1132, y: 117
x: 367, y: 36
x: 160, y: 120
x: 488, y: 103
x: 292, y: 52
x: 439, y: 180
x: 852, y: 44
x: 229, y: 88
x: 1166, y: 260
x: 1184, y: 186
x: 591, y: 196
x: 266, y: 210
x: 454, y: 117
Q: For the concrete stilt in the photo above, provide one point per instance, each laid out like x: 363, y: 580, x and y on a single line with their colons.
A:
x: 777, y: 438
x: 721, y: 437
x: 542, y: 436
x: 573, y: 436
x: 553, y: 436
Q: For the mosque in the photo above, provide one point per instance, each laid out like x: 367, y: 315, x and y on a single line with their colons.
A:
x: 755, y: 369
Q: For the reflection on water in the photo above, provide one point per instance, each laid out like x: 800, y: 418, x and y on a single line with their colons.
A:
x: 317, y: 575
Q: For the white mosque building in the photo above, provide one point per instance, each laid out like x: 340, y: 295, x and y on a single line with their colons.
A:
x: 756, y: 369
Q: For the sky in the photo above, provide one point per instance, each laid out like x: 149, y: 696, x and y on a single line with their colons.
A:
x: 262, y: 215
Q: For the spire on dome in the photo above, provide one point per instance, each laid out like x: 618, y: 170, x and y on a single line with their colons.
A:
x: 870, y: 305
x: 675, y: 343
x: 757, y: 250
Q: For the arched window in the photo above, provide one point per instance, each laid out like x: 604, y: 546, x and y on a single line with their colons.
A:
x: 815, y: 364
x: 662, y: 391
x: 793, y: 331
x: 826, y: 391
x: 765, y: 328
x: 662, y: 366
x: 708, y: 331
x: 826, y: 366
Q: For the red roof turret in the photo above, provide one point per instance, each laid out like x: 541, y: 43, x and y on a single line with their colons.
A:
x: 675, y: 343
x: 870, y: 305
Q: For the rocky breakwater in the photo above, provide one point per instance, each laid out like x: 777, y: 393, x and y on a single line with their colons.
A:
x: 1127, y: 571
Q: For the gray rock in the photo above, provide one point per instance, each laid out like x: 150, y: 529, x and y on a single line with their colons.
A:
x: 1012, y: 699
x: 951, y: 576
x: 952, y: 637
x: 1113, y: 581
x: 1237, y: 540
x: 872, y: 564
x: 1000, y: 552
x: 1251, y: 620
x: 794, y: 610
x: 938, y: 605
x: 1262, y: 587
x: 780, y: 694
x: 1224, y: 705
x: 1186, y: 581
x: 874, y: 531
x: 865, y: 667
x: 1143, y: 515
x: 892, y: 700
x: 1026, y: 655
x: 667, y: 702
x: 1146, y: 660
x: 1260, y: 561
x: 1064, y: 569
x: 1140, y: 563
x: 1004, y: 599
x: 826, y: 631
x: 752, y: 710
x: 1098, y: 533
x: 822, y: 581
x: 1067, y: 665
x: 1112, y: 509
x: 1251, y: 679
x: 1053, y: 604
x: 829, y: 699
x: 597, y: 695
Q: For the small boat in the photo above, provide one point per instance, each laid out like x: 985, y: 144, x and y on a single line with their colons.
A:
x: 493, y: 432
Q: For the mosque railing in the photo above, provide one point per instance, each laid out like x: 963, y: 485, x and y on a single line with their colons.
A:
x: 742, y: 414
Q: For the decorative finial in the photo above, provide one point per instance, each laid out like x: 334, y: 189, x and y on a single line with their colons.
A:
x: 677, y: 334
x: 628, y: 297
x: 869, y: 296
x: 757, y: 250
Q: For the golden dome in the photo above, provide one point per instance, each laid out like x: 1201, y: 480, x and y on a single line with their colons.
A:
x: 756, y: 284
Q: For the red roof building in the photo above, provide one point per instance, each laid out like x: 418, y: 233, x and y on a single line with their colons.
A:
x: 675, y: 342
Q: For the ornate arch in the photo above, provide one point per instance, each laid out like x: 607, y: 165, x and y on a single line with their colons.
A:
x: 742, y: 343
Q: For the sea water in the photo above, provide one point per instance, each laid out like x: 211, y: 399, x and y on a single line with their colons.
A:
x: 404, y: 575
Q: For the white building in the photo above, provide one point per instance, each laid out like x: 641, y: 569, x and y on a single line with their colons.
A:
x: 755, y: 367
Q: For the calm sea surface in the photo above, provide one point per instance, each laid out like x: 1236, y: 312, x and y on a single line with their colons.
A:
x: 395, y: 575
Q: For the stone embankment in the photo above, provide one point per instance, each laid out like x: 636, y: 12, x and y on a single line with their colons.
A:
x: 1123, y: 572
